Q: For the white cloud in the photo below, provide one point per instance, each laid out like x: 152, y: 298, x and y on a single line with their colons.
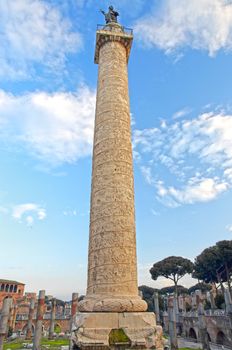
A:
x: 3, y: 210
x: 196, y: 190
x: 202, y: 25
x: 33, y: 32
x: 24, y: 212
x: 195, y: 154
x: 70, y: 212
x: 181, y: 113
x: 56, y: 128
x: 144, y: 278
x: 229, y: 228
x: 146, y: 171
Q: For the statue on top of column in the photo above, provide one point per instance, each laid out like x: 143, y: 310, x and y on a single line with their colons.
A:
x: 111, y: 15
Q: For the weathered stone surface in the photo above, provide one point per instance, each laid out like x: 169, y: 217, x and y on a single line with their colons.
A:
x: 30, y: 318
x: 39, y: 321
x: 5, y: 315
x: 112, y: 269
x: 93, y: 329
x: 112, y: 308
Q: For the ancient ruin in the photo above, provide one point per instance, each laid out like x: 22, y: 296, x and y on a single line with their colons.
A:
x: 112, y: 309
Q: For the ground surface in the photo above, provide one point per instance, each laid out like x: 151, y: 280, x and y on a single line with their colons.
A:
x: 18, y: 344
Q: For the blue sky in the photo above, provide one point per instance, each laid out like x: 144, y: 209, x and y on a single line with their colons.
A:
x: 181, y: 105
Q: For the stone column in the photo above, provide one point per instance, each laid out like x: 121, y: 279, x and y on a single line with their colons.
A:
x: 112, y: 266
x: 5, y: 315
x: 73, y: 309
x: 13, y: 316
x: 176, y: 308
x: 202, y: 326
x: 39, y: 320
x: 165, y: 321
x: 52, y: 321
x: 112, y: 303
x: 30, y: 318
x: 172, y: 324
x: 228, y: 301
x: 156, y: 306
x: 212, y: 300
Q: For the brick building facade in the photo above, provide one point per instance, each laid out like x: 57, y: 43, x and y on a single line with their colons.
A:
x: 10, y: 288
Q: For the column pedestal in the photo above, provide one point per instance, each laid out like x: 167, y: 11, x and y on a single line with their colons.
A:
x: 112, y: 330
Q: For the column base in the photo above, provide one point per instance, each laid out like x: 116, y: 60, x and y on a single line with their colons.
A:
x: 112, y: 330
x: 100, y: 303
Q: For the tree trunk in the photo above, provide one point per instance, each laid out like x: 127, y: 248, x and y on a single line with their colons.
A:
x: 220, y: 281
x: 228, y: 278
x: 176, y: 289
x: 176, y: 293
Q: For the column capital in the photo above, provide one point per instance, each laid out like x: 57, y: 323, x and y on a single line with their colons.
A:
x: 113, y: 32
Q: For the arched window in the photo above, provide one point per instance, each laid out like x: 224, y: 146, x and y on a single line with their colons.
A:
x: 221, y: 338
x: 11, y: 288
x: 15, y: 289
x: 7, y: 288
x: 2, y: 287
x: 192, y: 334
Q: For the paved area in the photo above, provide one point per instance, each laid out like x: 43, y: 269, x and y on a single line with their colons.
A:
x: 184, y: 343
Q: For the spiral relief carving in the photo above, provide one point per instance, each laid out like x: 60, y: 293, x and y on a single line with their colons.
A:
x: 112, y: 267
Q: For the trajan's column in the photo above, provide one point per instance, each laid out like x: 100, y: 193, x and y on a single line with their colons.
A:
x: 112, y: 311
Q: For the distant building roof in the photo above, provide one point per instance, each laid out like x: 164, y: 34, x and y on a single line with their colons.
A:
x: 11, y: 282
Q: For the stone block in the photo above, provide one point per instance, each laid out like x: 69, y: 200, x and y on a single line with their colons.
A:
x: 92, y: 330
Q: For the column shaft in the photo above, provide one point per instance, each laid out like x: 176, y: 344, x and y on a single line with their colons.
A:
x: 112, y: 266
x: 39, y: 321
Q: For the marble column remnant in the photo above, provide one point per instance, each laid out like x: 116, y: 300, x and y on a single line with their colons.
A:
x: 5, y: 316
x: 172, y: 324
x: 202, y: 325
x: 13, y: 316
x: 73, y: 310
x: 228, y: 301
x: 39, y: 320
x: 176, y: 308
x: 52, y: 320
x: 212, y: 300
x: 30, y: 318
x: 112, y: 302
x: 156, y: 306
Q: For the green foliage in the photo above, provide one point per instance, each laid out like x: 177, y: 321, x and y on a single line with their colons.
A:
x: 207, y: 264
x: 57, y: 329
x: 225, y: 253
x: 148, y: 295
x: 55, y: 342
x: 204, y: 287
x: 147, y: 291
x: 18, y: 344
x: 118, y: 336
x: 171, y: 290
x: 173, y: 268
x: 14, y: 345
x: 214, y: 264
x: 219, y: 301
x: 10, y: 331
x: 207, y: 305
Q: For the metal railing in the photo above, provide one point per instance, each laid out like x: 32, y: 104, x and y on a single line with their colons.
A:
x: 217, y: 312
x: 106, y: 27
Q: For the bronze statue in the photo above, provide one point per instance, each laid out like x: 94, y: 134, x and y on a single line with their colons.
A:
x: 111, y: 15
